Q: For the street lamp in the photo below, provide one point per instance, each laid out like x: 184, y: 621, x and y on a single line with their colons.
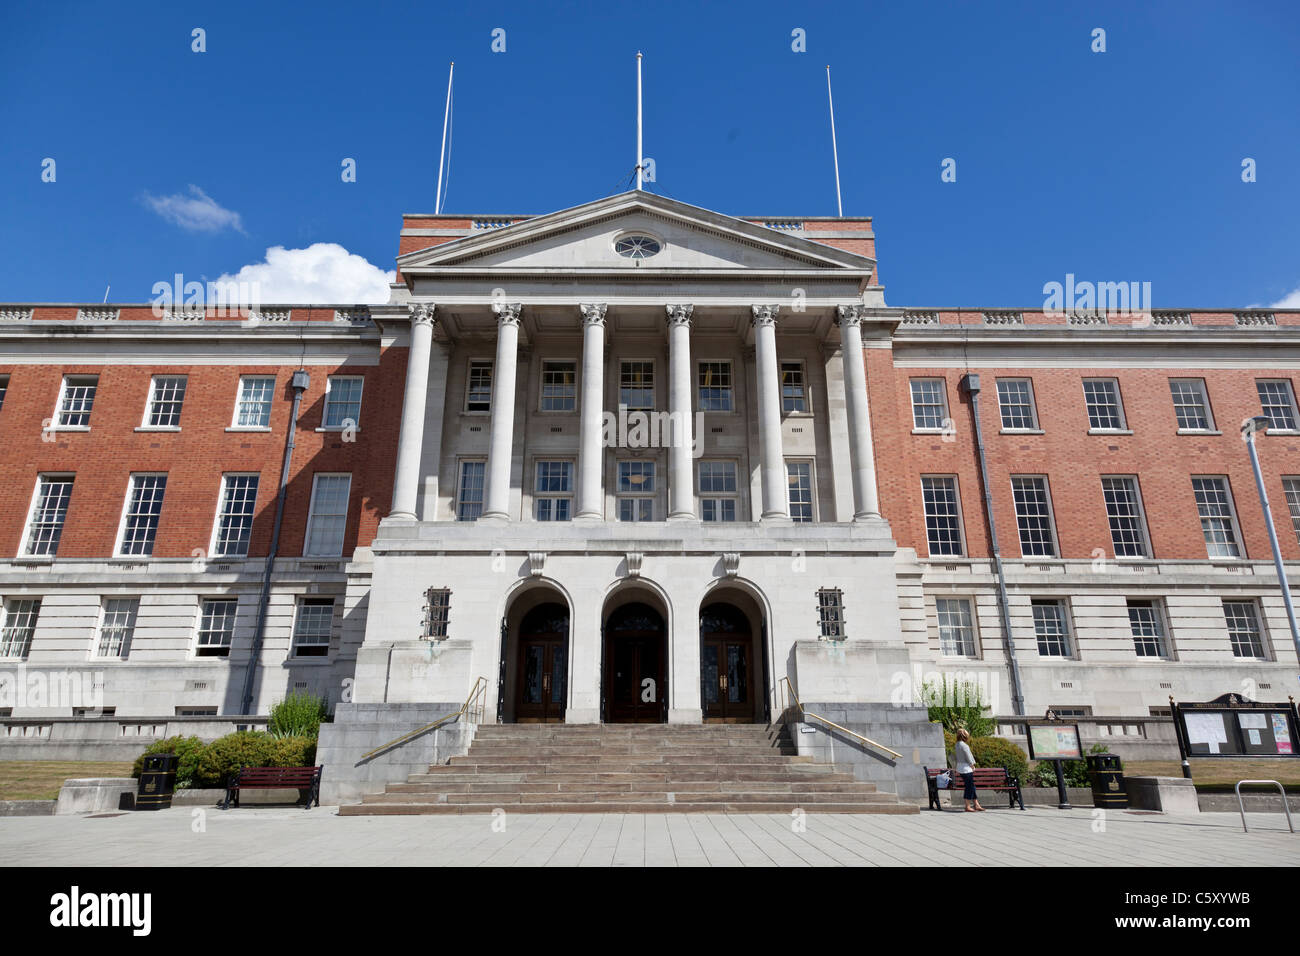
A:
x: 1249, y: 427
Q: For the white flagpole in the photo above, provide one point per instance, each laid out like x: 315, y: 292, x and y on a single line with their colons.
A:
x: 437, y: 204
x: 638, y: 120
x: 839, y: 203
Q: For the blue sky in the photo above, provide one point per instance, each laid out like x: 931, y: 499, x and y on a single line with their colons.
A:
x: 1115, y: 166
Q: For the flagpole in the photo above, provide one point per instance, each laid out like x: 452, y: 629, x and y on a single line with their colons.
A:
x: 437, y: 203
x: 638, y: 120
x: 835, y: 152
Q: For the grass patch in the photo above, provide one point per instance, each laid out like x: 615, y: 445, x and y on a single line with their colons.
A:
x: 1222, y: 774
x: 41, y: 779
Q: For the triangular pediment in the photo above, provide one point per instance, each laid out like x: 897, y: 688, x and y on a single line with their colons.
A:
x: 584, y: 238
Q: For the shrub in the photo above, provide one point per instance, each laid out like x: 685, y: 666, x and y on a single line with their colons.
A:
x: 228, y: 754
x: 996, y: 752
x: 292, y: 752
x: 298, y: 715
x: 187, y: 749
x: 958, y: 705
x: 949, y: 742
x: 1074, y: 771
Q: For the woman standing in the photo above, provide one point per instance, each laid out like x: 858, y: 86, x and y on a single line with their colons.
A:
x: 965, y: 761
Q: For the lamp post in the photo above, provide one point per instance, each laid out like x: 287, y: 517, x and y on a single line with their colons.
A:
x: 1249, y: 427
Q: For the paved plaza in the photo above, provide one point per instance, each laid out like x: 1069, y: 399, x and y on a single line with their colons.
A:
x: 278, y: 837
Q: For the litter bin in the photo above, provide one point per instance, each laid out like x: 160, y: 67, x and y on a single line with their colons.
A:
x: 1107, y: 781
x: 157, y: 782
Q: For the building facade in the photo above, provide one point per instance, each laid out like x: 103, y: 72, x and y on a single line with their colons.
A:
x: 640, y: 461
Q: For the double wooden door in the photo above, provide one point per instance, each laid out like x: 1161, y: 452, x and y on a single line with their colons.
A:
x: 726, y: 665
x: 635, y: 665
x: 542, y: 690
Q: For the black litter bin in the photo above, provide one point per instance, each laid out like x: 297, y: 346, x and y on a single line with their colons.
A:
x: 157, y: 782
x: 1107, y: 782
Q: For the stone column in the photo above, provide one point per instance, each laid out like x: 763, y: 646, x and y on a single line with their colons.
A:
x: 497, y: 503
x: 776, y: 501
x: 591, y: 458
x: 866, y: 502
x: 681, y: 486
x: 410, y: 441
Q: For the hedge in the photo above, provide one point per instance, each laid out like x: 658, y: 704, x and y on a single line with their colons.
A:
x: 209, y: 766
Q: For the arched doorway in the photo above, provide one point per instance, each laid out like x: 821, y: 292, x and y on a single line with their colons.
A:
x: 542, y: 675
x: 636, y: 665
x: 732, y: 671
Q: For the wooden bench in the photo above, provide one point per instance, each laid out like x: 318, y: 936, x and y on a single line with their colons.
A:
x: 306, y: 780
x: 986, y: 778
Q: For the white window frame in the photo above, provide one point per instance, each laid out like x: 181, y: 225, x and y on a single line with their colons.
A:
x: 541, y: 385
x: 835, y: 619
x: 1144, y: 533
x: 146, y: 423
x: 812, y: 489
x: 1068, y: 634
x: 805, y: 393
x: 960, y: 518
x: 1119, y: 406
x: 198, y: 626
x: 654, y: 384
x: 1291, y: 492
x: 1051, y: 518
x: 1290, y: 395
x: 969, y: 601
x: 74, y: 380
x: 460, y: 487
x: 126, y: 515
x: 469, y: 384
x: 1261, y: 627
x: 718, y: 496
x: 216, y: 524
x: 1207, y: 410
x: 7, y: 644
x: 639, y: 495
x: 1034, y: 426
x: 1161, y: 619
x: 730, y: 388
x: 945, y: 415
x: 1238, y: 542
x: 297, y: 642
x: 124, y: 648
x: 308, y: 548
x: 330, y: 382
x: 244, y: 381
x: 28, y: 528
x: 437, y: 615
x: 539, y: 496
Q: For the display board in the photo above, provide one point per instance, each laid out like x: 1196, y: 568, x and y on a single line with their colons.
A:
x: 1233, y: 726
x: 1054, y: 742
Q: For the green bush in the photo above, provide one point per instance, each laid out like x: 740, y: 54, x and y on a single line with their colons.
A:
x: 298, y: 715
x: 293, y: 752
x: 957, y: 705
x: 996, y: 752
x: 226, y: 755
x: 1074, y: 771
x: 187, y: 749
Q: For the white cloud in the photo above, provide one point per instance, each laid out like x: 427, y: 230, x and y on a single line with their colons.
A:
x: 322, y: 274
x: 197, y: 212
x: 1290, y: 301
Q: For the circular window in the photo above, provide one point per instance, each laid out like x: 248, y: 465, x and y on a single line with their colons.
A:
x: 637, y: 247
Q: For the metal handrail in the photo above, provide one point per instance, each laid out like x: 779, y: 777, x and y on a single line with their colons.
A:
x: 473, y: 706
x: 1241, y: 804
x: 829, y: 723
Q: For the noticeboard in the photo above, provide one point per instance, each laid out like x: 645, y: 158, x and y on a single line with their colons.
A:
x: 1054, y: 741
x: 1233, y: 726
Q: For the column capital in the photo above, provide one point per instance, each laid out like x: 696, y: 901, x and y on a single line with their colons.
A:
x: 764, y: 315
x: 850, y: 314
x: 679, y: 314
x: 507, y: 313
x: 593, y: 313
x: 421, y: 313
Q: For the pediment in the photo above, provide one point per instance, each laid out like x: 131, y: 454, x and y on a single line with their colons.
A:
x: 583, y: 239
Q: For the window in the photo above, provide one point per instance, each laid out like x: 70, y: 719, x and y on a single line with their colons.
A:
x: 956, y: 627
x: 4, y: 388
x: 929, y: 403
x: 1291, y: 488
x: 342, y: 401
x: 830, y: 613
x: 1016, y: 401
x: 166, y: 396
x: 216, y: 627
x: 116, y: 626
x: 552, y: 491
x: 636, y: 486
x: 49, y: 509
x: 1128, y: 532
x: 1191, y: 404
x: 469, y: 496
x: 327, y: 522
x: 1147, y: 624
x: 311, y: 627
x: 253, y: 408
x: 1218, y: 525
x: 437, y: 610
x: 1034, y: 516
x: 1243, y: 629
x: 235, y: 516
x: 76, y: 398
x: 188, y: 711
x: 19, y: 627
x: 794, y: 393
x: 637, y: 247
x: 636, y: 385
x: 798, y: 476
x: 715, y: 387
x: 718, y: 490
x: 1070, y: 713
x: 1105, y: 411
x: 559, y: 386
x: 144, y: 501
x: 1278, y: 403
x: 942, y: 514
x: 1051, y: 629
x: 478, y: 390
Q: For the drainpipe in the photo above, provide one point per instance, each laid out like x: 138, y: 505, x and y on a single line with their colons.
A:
x: 299, y: 384
x: 972, y: 385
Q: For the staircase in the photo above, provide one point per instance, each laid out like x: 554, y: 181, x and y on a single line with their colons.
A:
x: 630, y: 768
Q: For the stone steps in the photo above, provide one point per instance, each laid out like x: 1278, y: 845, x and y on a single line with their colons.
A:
x: 645, y: 768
